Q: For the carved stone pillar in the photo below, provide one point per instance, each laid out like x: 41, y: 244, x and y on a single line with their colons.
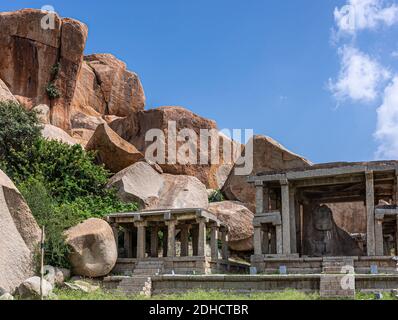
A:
x: 154, y: 241
x: 286, y: 249
x: 171, y: 238
x: 257, y: 240
x: 379, y: 240
x: 202, y: 238
x: 214, y: 242
x: 370, y: 209
x: 184, y: 240
x: 141, y: 239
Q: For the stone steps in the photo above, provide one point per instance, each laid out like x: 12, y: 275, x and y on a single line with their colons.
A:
x: 148, y: 268
x: 136, y: 285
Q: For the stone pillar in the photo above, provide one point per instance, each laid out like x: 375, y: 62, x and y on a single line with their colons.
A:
x: 141, y: 239
x: 265, y: 240
x: 379, y: 240
x: 115, y: 230
x: 202, y: 238
x: 257, y: 240
x: 214, y: 242
x: 154, y: 241
x: 259, y: 197
x: 396, y: 239
x: 171, y: 238
x: 370, y: 210
x: 165, y: 244
x: 224, y: 244
x: 128, y: 243
x: 292, y: 210
x: 184, y: 240
x: 285, y: 217
x: 279, y: 241
x: 195, y: 240
x: 273, y: 241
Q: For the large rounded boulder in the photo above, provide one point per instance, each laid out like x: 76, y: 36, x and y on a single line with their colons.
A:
x: 20, y: 236
x: 239, y: 220
x: 93, y: 246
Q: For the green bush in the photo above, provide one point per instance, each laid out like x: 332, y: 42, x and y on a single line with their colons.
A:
x: 57, y: 217
x: 52, y: 91
x: 216, y: 196
x: 18, y: 128
x: 68, y: 172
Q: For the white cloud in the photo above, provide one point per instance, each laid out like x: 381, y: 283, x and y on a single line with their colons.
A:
x: 387, y: 123
x: 360, y: 76
x: 358, y: 15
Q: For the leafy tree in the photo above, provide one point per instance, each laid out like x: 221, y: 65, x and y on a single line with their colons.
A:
x: 18, y: 128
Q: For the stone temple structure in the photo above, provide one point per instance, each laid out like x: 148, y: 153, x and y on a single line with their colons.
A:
x: 169, y: 241
x: 294, y: 226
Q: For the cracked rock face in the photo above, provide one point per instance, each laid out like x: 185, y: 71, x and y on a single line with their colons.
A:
x: 29, y: 53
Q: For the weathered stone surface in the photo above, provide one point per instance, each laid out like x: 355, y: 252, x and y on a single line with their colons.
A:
x: 142, y: 184
x: 30, y: 288
x: 112, y: 151
x: 351, y: 217
x: 138, y: 183
x: 51, y: 132
x: 56, y: 276
x: 72, y: 43
x: 239, y: 219
x: 182, y: 192
x: 43, y: 113
x: 322, y: 237
x: 86, y: 119
x: 93, y: 246
x: 5, y: 93
x: 268, y: 155
x: 121, y: 89
x: 28, y: 55
x: 20, y: 236
x: 81, y: 285
x: 134, y: 128
x: 82, y: 136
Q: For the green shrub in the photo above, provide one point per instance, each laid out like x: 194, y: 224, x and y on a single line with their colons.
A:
x: 57, y: 217
x: 216, y: 196
x: 68, y: 172
x: 18, y: 128
x: 52, y: 91
x: 46, y: 213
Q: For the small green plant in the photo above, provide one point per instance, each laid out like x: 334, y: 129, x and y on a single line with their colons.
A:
x: 216, y: 196
x: 55, y: 70
x: 52, y: 91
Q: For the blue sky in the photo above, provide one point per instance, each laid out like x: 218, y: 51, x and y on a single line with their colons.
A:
x: 270, y: 65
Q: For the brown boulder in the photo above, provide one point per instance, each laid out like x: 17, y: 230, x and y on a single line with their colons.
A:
x: 20, y: 236
x: 73, y: 41
x: 268, y: 155
x: 94, y: 251
x: 134, y: 128
x: 116, y: 90
x: 112, y: 151
x: 28, y: 55
x: 239, y: 219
